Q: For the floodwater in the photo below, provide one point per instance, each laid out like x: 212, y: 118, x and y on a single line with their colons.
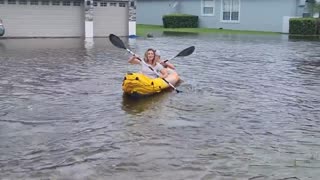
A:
x: 250, y: 109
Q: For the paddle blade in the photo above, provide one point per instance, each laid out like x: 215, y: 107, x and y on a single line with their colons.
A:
x: 116, y: 41
x: 186, y: 52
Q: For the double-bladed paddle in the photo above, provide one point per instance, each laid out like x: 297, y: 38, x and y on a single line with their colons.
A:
x: 185, y: 52
x: 116, y: 41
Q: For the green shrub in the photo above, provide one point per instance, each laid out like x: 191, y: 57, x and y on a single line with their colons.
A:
x: 180, y: 21
x: 303, y: 26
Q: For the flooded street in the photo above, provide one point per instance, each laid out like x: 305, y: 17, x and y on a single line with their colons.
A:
x: 250, y: 109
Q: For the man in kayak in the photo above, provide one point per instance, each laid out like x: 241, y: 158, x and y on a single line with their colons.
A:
x: 163, y: 63
x: 170, y: 67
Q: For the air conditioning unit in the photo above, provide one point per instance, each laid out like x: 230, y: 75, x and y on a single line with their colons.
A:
x: 306, y: 15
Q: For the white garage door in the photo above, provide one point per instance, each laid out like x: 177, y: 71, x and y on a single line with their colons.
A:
x: 110, y: 17
x: 45, y: 18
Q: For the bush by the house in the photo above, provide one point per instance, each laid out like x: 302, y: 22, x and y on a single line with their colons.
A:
x: 303, y: 26
x: 180, y: 21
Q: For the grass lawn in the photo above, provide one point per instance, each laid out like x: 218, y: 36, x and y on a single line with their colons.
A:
x: 143, y: 30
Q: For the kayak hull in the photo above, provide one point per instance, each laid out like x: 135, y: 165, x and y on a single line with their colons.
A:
x: 137, y: 85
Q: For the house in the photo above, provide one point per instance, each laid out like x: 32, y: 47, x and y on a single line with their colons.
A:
x: 67, y: 18
x: 256, y: 15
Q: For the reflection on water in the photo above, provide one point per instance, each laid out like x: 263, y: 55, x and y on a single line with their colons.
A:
x: 308, y: 66
x: 303, y: 38
x: 249, y: 110
x: 170, y: 33
x: 2, y: 46
x: 136, y: 105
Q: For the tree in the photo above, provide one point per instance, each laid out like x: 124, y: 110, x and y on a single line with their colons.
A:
x: 314, y: 7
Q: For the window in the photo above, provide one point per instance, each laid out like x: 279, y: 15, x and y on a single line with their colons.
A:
x: 122, y: 4
x: 103, y: 3
x: 23, y: 2
x: 76, y: 3
x: 11, y: 1
x: 230, y: 10
x: 66, y: 3
x: 34, y: 2
x: 1, y: 1
x: 95, y: 3
x: 113, y: 4
x: 44, y: 2
x: 55, y: 3
x: 207, y: 7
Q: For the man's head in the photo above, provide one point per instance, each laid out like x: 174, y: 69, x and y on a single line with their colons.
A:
x: 157, y: 53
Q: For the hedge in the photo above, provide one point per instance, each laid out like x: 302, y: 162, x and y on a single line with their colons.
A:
x: 180, y: 21
x: 303, y: 26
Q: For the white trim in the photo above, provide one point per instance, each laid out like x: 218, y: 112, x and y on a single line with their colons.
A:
x: 214, y: 8
x: 229, y: 21
x: 88, y: 43
x: 132, y: 28
x: 286, y: 23
x: 88, y: 29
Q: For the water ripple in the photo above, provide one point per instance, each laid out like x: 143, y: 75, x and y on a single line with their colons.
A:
x: 249, y: 110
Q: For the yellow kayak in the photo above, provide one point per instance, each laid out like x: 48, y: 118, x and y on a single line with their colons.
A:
x: 137, y: 84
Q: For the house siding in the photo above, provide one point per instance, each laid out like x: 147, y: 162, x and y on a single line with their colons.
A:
x: 150, y: 12
x: 257, y: 15
x: 264, y: 15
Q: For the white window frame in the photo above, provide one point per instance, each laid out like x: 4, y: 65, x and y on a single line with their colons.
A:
x: 76, y: 3
x: 66, y: 3
x: 113, y: 4
x: 203, y: 6
x: 103, y: 3
x: 122, y: 4
x: 230, y: 21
